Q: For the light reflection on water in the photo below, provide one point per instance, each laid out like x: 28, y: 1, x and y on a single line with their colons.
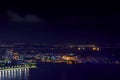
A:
x: 17, y: 74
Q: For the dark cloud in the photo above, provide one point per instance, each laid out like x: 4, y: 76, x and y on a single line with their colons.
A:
x: 15, y: 17
x: 31, y: 18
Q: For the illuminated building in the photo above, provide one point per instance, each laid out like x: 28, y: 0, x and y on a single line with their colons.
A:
x: 16, y: 56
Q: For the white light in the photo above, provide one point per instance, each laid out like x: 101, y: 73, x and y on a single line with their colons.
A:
x: 3, y: 73
x: 9, y: 71
x: 6, y: 72
x: 14, y: 70
x: 83, y: 48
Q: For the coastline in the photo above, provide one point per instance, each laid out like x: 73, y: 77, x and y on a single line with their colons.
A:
x: 28, y: 67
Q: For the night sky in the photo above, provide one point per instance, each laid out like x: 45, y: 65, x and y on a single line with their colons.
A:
x: 33, y: 23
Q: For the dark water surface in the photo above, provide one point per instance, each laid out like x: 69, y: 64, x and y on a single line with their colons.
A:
x: 65, y: 72
x: 76, y: 72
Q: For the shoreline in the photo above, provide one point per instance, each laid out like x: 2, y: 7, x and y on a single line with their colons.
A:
x: 17, y: 68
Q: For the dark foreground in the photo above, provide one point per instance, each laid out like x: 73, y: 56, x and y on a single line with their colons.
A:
x: 76, y: 72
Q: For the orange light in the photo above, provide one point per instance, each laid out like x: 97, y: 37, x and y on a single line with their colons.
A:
x: 79, y: 48
x: 67, y: 58
x: 94, y: 48
x: 98, y: 49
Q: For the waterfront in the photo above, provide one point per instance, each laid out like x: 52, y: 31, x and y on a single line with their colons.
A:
x: 65, y: 72
x: 15, y: 74
x: 71, y: 64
